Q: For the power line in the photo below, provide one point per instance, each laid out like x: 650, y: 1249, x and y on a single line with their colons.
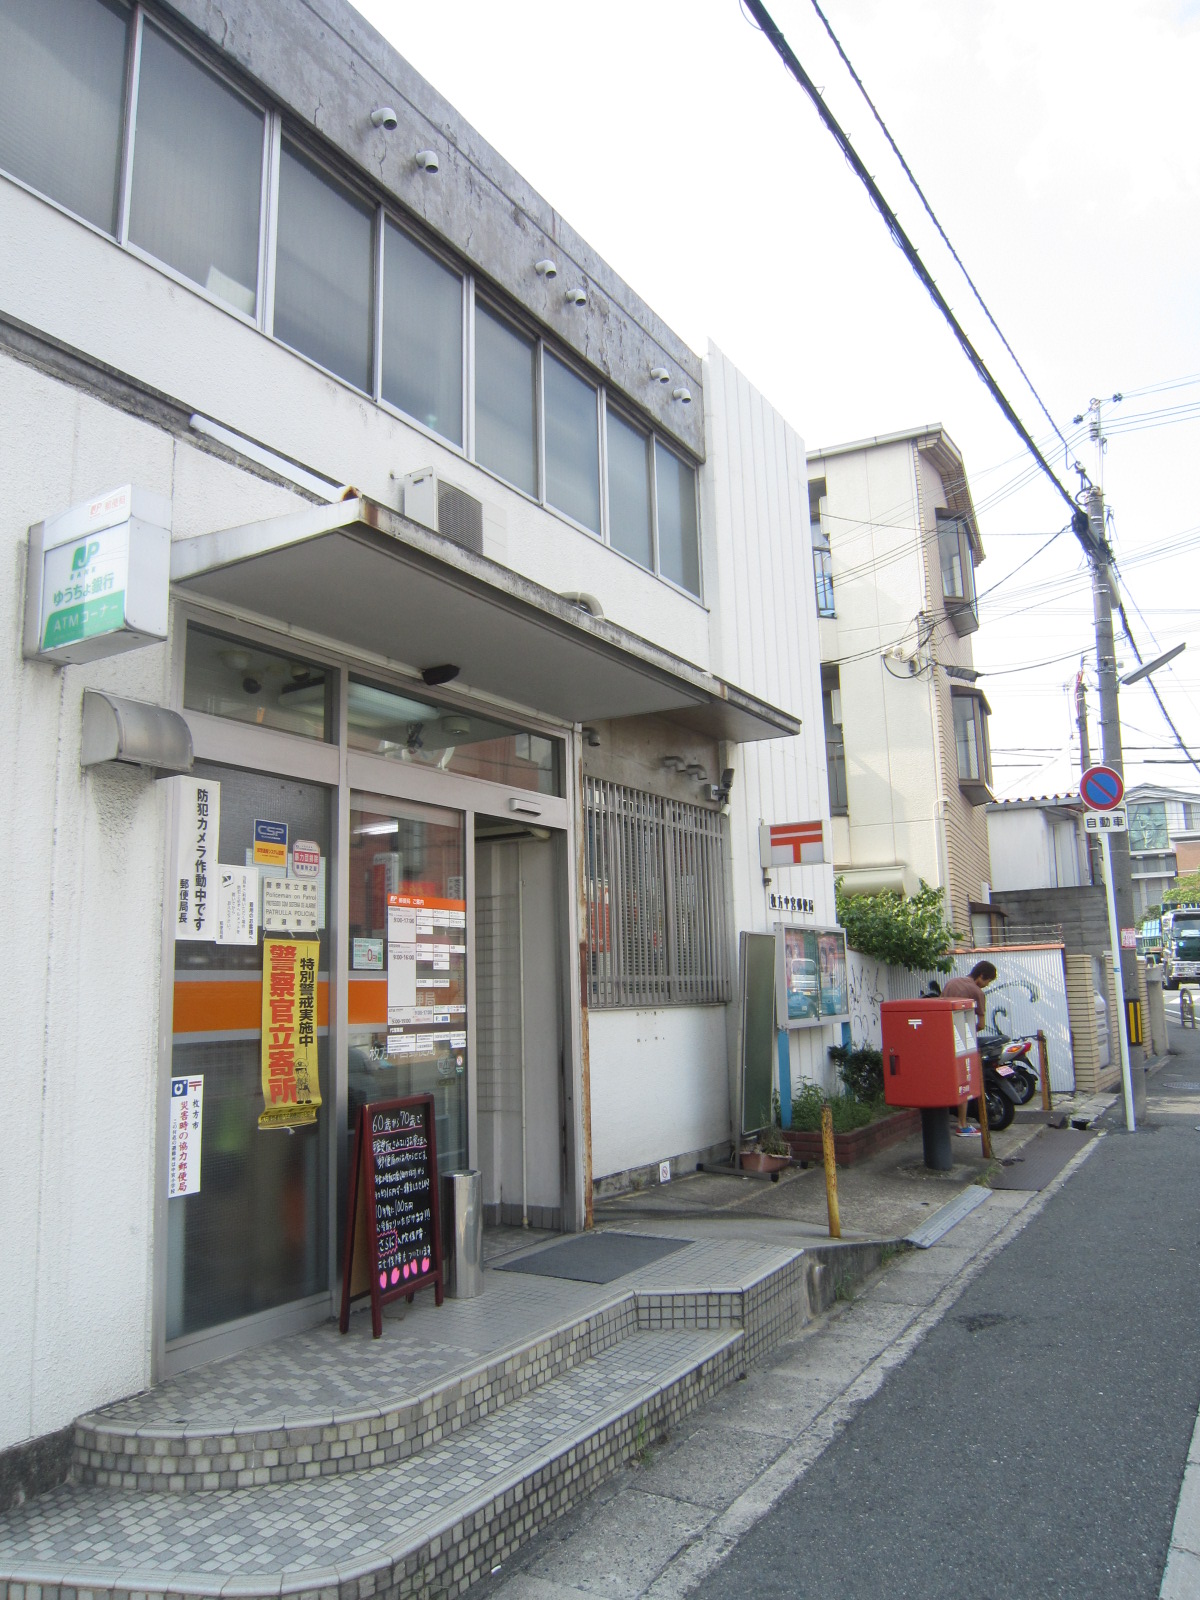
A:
x: 1094, y: 544
x: 909, y: 174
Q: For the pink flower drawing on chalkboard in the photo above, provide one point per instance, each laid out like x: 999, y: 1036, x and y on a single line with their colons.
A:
x: 425, y: 1264
x: 395, y: 1274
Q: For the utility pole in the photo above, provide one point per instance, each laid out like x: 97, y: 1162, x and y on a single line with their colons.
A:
x: 1103, y: 586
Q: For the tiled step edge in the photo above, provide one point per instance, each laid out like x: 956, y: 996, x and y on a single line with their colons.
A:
x: 455, y: 1547
x: 157, y: 1458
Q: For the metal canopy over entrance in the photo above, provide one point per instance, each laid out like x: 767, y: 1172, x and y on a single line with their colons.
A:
x: 360, y: 573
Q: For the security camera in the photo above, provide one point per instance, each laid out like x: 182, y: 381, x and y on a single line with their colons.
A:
x: 384, y: 117
x: 719, y: 792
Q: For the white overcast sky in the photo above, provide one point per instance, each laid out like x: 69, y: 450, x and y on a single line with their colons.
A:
x: 1059, y: 145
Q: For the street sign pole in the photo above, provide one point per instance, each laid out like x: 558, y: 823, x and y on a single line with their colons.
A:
x: 1117, y: 1024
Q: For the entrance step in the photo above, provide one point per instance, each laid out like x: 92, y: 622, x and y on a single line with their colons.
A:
x: 224, y: 1428
x: 431, y: 1523
x: 320, y: 1405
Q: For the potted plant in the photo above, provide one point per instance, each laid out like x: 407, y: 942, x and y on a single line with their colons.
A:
x: 772, y: 1152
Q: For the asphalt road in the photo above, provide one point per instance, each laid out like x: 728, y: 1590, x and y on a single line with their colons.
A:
x: 1034, y: 1443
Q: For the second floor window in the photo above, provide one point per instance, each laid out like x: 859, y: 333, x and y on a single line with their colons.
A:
x: 971, y: 745
x: 835, y: 748
x: 958, y: 572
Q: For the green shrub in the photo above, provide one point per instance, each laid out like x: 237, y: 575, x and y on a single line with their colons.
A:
x: 848, y: 1113
x: 902, y: 930
x: 861, y: 1071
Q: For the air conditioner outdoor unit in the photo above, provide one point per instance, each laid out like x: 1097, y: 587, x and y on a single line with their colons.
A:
x: 444, y: 508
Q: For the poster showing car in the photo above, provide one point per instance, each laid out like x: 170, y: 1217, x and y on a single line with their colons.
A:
x: 811, y: 984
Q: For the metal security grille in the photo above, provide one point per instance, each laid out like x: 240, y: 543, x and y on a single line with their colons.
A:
x: 655, y: 900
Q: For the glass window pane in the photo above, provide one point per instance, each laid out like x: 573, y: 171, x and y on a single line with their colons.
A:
x: 323, y: 271
x: 401, y: 1050
x: 247, y: 683
x: 384, y: 722
x: 422, y: 335
x: 629, y: 492
x: 504, y: 401
x: 219, y: 1267
x: 197, y: 174
x: 951, y: 556
x: 678, y: 536
x: 62, y: 91
x: 966, y: 738
x: 572, y: 445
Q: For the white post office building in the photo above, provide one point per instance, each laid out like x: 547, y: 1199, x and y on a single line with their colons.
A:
x: 367, y: 542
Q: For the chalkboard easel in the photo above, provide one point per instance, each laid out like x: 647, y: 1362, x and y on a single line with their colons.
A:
x: 393, y: 1223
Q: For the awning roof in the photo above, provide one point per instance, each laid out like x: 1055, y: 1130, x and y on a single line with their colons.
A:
x: 359, y: 574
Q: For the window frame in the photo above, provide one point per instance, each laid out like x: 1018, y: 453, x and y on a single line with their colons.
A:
x: 547, y: 351
x: 390, y: 217
x: 270, y: 152
x: 978, y: 790
x: 962, y: 609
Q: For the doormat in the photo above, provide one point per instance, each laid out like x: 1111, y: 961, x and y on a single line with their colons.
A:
x: 595, y: 1257
x: 1041, y: 1160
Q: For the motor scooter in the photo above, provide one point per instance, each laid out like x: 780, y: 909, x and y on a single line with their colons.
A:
x: 1025, y: 1075
x: 999, y: 1082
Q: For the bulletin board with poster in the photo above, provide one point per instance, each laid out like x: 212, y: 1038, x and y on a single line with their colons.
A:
x: 811, y: 988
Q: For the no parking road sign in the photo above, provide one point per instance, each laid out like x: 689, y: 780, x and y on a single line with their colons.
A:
x: 1101, y: 788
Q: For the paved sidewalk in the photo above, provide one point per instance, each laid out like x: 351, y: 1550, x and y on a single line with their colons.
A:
x: 658, y: 1528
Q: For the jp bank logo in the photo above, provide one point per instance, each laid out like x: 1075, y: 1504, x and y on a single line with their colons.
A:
x: 84, y: 555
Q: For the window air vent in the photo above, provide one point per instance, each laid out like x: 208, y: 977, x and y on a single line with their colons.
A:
x: 445, y: 509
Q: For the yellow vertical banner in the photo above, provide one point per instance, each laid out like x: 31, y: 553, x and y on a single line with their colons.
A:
x: 291, y: 1088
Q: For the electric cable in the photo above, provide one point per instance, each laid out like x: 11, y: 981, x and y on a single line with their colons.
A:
x: 911, y: 176
x: 1079, y: 523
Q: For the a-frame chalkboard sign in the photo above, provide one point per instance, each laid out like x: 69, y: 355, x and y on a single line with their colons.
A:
x: 393, y: 1223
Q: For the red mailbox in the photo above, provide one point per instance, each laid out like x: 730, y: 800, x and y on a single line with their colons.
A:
x: 930, y: 1053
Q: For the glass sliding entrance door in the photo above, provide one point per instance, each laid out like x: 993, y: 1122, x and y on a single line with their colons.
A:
x: 406, y: 949
x: 250, y: 1233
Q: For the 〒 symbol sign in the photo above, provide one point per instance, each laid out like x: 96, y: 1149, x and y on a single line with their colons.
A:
x: 1101, y: 788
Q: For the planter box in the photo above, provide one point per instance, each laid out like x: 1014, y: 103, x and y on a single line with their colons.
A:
x: 862, y: 1142
x: 758, y: 1161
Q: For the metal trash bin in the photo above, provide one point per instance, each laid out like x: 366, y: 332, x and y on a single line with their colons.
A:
x: 462, y: 1233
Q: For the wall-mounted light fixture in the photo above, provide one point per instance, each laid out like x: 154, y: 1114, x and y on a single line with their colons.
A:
x: 684, y: 396
x: 445, y: 673
x: 546, y: 268
x: 576, y: 296
x: 427, y: 160
x: 384, y: 117
x: 660, y: 374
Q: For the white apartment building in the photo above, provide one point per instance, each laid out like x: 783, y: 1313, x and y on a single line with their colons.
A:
x: 896, y: 545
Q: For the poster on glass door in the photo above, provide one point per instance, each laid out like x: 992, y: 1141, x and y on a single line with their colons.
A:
x: 198, y: 831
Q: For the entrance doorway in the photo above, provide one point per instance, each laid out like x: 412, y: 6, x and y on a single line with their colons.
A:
x: 522, y: 1135
x: 406, y: 945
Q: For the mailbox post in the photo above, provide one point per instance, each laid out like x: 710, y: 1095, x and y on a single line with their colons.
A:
x: 931, y: 1062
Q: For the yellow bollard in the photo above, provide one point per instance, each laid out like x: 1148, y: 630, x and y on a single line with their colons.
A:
x: 1044, y: 1069
x: 835, y: 1222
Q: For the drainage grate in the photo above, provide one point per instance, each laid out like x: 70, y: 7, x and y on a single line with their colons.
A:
x: 944, y: 1218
